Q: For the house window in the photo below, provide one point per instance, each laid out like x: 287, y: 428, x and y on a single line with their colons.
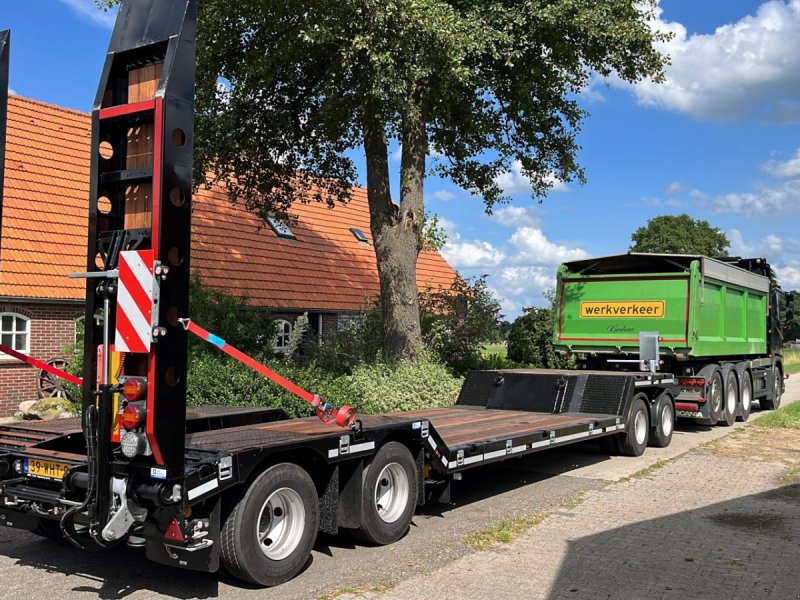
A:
x: 359, y: 235
x: 350, y: 322
x: 280, y: 228
x: 15, y: 332
x: 283, y: 330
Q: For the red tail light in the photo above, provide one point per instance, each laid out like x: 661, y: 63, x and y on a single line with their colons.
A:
x: 132, y: 417
x: 134, y: 388
x: 692, y: 381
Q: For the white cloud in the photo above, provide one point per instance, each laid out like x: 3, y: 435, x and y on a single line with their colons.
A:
x: 534, y: 249
x: 471, y: 255
x: 772, y: 201
x: 783, y: 169
x: 443, y: 195
x: 516, y: 182
x: 676, y: 187
x: 789, y: 276
x: 515, y: 216
x: 747, y: 68
x: 12, y: 92
x: 738, y: 246
x: 88, y: 9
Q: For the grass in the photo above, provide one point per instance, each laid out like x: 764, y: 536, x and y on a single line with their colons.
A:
x: 508, y: 530
x: 350, y: 591
x: 787, y: 417
x: 659, y: 464
x: 500, y: 350
x: 791, y: 361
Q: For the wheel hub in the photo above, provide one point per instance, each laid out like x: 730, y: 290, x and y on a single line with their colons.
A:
x: 666, y: 420
x: 281, y: 523
x: 640, y: 427
x: 391, y: 492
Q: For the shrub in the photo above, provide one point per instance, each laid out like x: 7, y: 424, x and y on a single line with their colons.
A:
x: 423, y: 383
x: 530, y: 340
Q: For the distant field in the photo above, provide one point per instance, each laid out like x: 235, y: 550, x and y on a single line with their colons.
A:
x: 791, y: 361
x: 502, y: 350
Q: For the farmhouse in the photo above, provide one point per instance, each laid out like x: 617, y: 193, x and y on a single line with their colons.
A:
x: 323, y: 264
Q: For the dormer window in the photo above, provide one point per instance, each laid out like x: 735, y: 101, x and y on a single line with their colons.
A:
x: 359, y: 235
x: 280, y: 228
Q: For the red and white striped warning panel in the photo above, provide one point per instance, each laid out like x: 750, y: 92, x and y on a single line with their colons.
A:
x: 134, y: 332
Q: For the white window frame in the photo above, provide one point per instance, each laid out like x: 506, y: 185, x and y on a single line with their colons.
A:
x: 283, y: 331
x: 15, y: 332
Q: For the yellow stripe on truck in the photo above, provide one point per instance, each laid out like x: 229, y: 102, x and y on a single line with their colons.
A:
x: 638, y: 309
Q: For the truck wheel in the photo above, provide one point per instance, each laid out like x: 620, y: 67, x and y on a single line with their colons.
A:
x: 634, y: 441
x: 661, y: 434
x: 716, y: 396
x: 389, y: 495
x: 269, y: 534
x: 773, y: 402
x: 731, y: 398
x: 747, y: 397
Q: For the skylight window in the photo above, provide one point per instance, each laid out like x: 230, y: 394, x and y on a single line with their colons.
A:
x: 280, y: 228
x: 359, y: 235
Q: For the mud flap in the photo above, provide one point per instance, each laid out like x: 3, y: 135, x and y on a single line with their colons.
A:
x: 197, y: 556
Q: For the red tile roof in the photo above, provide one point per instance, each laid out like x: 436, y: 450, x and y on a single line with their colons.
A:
x: 45, y: 220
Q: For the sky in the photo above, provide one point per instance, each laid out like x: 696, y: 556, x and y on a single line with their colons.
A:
x: 720, y: 140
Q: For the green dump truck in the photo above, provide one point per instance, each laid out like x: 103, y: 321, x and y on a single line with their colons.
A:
x: 718, y: 324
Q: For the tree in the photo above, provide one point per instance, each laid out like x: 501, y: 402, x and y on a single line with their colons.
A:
x: 293, y: 85
x: 530, y: 339
x: 680, y: 234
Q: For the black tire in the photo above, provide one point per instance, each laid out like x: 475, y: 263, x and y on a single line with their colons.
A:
x: 664, y: 426
x: 715, y: 398
x: 49, y: 528
x: 389, y: 495
x: 774, y: 400
x: 283, y: 502
x: 730, y: 400
x: 634, y: 441
x: 745, y: 397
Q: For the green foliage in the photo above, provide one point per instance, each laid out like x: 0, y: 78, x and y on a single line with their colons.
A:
x: 403, y: 385
x: 792, y: 326
x: 787, y: 417
x: 434, y: 237
x: 359, y: 343
x: 458, y: 320
x: 680, y: 235
x: 530, y: 340
x: 229, y: 317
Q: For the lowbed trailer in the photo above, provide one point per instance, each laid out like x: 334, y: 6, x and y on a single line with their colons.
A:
x: 257, y: 487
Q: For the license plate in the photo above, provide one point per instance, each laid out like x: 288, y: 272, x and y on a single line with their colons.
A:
x: 44, y: 469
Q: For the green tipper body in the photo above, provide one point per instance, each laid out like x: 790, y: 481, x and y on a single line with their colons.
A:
x: 699, y: 306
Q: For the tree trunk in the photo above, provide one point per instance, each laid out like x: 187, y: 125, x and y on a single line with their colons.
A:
x: 396, y: 233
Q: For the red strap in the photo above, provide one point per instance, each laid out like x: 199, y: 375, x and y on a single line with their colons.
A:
x: 43, y: 366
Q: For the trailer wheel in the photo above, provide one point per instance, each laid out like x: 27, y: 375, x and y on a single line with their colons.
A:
x: 637, y: 430
x: 773, y: 402
x: 731, y: 398
x: 389, y: 495
x: 661, y: 435
x: 747, y: 397
x: 717, y: 398
x: 269, y: 534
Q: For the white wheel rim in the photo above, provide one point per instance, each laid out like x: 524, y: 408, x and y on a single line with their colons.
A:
x: 747, y: 397
x: 281, y: 523
x: 391, y: 492
x: 716, y: 395
x: 730, y: 399
x: 640, y: 427
x: 666, y: 420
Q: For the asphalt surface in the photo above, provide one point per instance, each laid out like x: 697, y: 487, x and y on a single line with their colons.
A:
x: 35, y: 567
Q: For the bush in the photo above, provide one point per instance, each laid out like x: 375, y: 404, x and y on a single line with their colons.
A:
x: 382, y: 388
x: 530, y: 341
x: 343, y: 350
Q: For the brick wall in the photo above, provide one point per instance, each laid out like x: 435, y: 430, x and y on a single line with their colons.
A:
x: 52, y: 329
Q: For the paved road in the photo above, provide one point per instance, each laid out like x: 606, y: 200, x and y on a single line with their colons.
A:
x: 33, y: 567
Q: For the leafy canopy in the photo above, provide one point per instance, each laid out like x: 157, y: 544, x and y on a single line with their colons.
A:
x: 680, y: 234
x: 289, y: 85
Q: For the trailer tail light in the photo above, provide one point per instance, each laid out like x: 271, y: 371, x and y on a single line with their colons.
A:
x: 134, y: 388
x: 174, y: 533
x: 133, y: 416
x: 692, y: 382
x: 133, y: 444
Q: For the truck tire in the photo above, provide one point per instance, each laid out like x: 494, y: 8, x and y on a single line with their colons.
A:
x: 715, y: 398
x: 637, y: 429
x: 746, y: 397
x: 269, y: 533
x: 774, y: 400
x: 730, y: 400
x: 661, y: 433
x: 389, y: 495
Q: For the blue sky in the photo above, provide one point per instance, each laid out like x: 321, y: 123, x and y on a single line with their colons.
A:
x: 720, y: 141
